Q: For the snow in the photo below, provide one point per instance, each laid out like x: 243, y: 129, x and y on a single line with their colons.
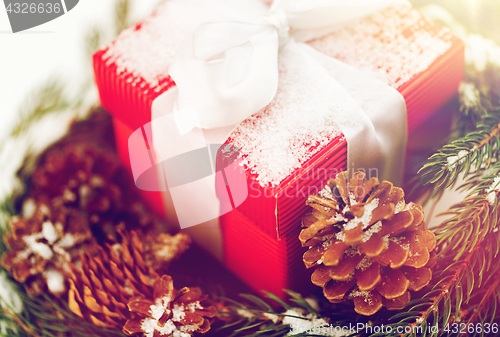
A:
x: 399, y: 206
x: 29, y: 208
x: 9, y: 297
x: 55, y: 281
x: 33, y: 246
x: 372, y: 230
x: 298, y: 123
x: 309, y: 323
x: 493, y: 190
x: 394, y: 44
x: 274, y: 318
x: 364, y: 220
x: 453, y: 161
x: 244, y: 313
x: 365, y: 294
x: 67, y: 241
x: 365, y: 263
x: 469, y: 94
x: 150, y: 325
x: 326, y: 193
x: 49, y: 232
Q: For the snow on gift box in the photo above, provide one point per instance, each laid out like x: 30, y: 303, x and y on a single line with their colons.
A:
x: 291, y: 147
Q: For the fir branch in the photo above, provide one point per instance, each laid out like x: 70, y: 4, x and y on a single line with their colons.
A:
x: 20, y: 323
x: 489, y: 297
x: 478, y: 96
x: 467, y: 247
x: 53, y: 317
x: 479, y: 149
x: 93, y: 39
x: 254, y: 317
x: 121, y: 15
x: 457, y: 276
x: 48, y: 98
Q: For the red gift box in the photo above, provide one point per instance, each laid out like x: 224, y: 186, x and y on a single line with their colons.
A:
x: 415, y: 55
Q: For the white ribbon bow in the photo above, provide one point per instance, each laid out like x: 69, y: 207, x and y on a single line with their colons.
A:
x: 228, y: 70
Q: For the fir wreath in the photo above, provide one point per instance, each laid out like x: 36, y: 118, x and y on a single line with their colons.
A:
x: 465, y: 288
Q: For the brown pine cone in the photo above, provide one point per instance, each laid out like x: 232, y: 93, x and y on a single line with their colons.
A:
x: 40, y: 248
x: 169, y: 312
x: 104, y: 284
x: 84, y: 177
x: 366, y: 243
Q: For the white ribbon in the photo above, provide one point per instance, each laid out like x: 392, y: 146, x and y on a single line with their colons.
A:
x: 228, y: 70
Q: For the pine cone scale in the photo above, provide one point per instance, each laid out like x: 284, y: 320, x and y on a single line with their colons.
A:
x: 117, y: 273
x: 398, y: 224
x: 141, y: 306
x: 335, y: 290
x: 397, y: 303
x: 395, y: 256
x: 383, y: 212
x: 367, y: 303
x: 369, y: 277
x: 90, y: 301
x: 313, y: 255
x: 102, y: 296
x: 353, y: 236
x: 418, y: 253
x: 343, y: 271
x: 374, y: 246
x: 393, y: 283
x: 418, y: 278
x: 321, y: 276
x: 333, y: 254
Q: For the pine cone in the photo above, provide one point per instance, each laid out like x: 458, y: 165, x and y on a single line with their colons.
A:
x: 83, y: 177
x: 103, y: 286
x: 41, y: 248
x: 366, y: 243
x: 101, y: 289
x: 170, y: 312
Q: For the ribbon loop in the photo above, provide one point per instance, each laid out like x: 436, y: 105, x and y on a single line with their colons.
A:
x: 225, y: 72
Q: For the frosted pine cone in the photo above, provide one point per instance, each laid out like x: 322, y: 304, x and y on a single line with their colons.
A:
x: 169, y: 312
x: 366, y: 243
x: 41, y: 247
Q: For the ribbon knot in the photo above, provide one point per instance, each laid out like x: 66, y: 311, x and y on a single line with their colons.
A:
x: 279, y: 19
